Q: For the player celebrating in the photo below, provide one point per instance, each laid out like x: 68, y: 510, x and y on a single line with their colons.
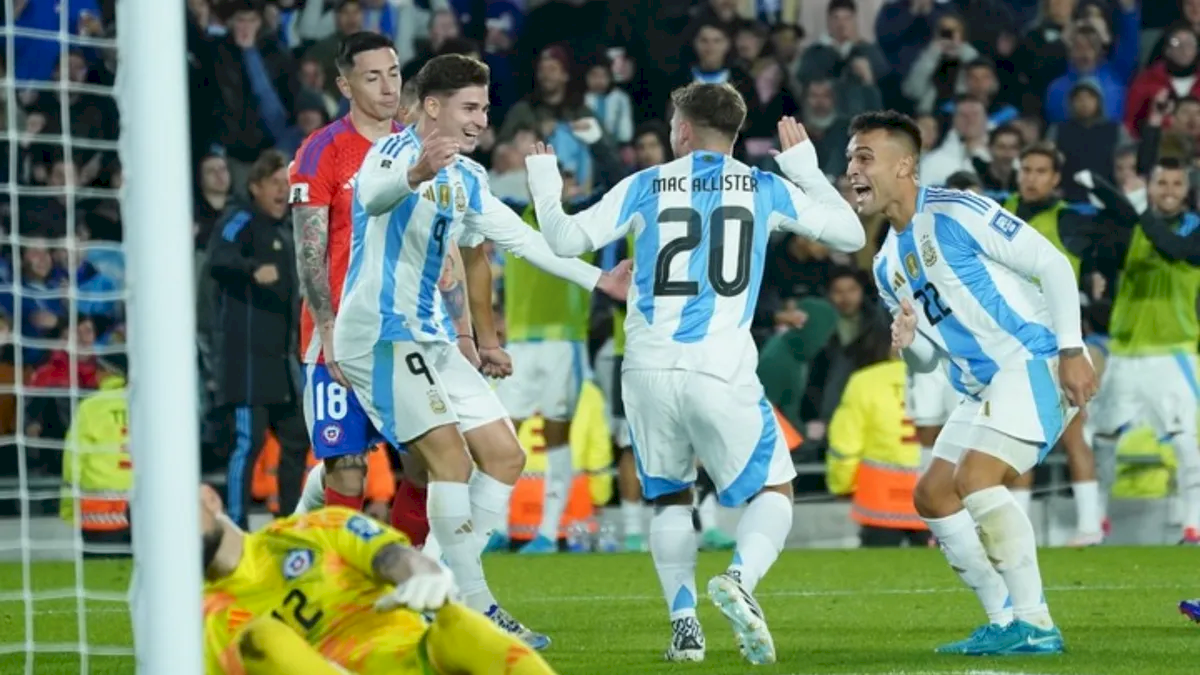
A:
x: 701, y: 224
x: 969, y: 265
x: 314, y: 594
x: 322, y: 180
x: 415, y: 196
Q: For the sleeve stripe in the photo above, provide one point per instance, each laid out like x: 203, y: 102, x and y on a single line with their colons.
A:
x: 943, y: 193
x: 976, y: 206
x: 235, y: 225
x: 310, y: 158
x: 393, y: 146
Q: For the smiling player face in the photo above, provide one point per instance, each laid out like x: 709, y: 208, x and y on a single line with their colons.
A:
x: 374, y: 83
x: 878, y: 164
x: 462, y: 116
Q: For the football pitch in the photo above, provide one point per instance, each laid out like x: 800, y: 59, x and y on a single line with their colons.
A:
x: 831, y: 612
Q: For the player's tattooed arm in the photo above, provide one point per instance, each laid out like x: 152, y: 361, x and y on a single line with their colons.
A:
x: 395, y: 563
x: 311, y: 228
x: 453, y: 286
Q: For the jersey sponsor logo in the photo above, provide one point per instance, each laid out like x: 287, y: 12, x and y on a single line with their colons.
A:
x: 297, y: 562
x: 928, y: 252
x: 363, y: 527
x: 332, y: 433
x: 299, y: 193
x: 910, y: 264
x: 1007, y: 225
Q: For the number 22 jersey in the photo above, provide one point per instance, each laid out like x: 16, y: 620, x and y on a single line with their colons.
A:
x: 970, y: 270
x: 314, y: 573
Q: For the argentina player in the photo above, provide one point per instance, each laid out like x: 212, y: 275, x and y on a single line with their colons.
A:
x: 701, y: 225
x: 969, y: 282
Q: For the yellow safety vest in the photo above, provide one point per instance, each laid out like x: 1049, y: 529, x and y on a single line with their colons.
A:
x: 1046, y: 223
x: 96, y: 460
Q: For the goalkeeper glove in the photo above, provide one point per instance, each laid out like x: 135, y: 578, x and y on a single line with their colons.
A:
x: 423, y: 591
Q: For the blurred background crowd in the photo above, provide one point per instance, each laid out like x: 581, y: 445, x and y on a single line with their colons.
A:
x: 1048, y: 106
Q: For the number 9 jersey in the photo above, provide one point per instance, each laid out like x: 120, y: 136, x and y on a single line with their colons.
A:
x: 314, y: 573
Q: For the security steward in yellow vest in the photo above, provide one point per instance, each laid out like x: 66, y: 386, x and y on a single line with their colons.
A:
x: 97, y: 466
x: 874, y: 453
x: 1038, y: 204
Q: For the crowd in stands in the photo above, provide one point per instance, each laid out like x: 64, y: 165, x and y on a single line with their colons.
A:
x: 1113, y: 83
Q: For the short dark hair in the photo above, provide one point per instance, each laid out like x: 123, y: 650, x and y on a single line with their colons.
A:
x: 896, y: 124
x: 267, y: 165
x: 459, y: 45
x: 835, y: 5
x: 357, y: 43
x: 1170, y: 163
x: 1006, y: 129
x: 982, y: 62
x: 714, y: 106
x: 968, y: 98
x: 1045, y: 149
x: 448, y: 73
x: 963, y: 180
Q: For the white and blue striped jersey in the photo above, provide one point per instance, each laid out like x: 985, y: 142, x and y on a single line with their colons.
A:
x: 400, y: 238
x: 700, y: 228
x: 989, y: 291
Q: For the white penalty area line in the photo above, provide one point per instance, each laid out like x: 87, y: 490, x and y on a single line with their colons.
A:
x: 939, y: 672
x: 118, y: 608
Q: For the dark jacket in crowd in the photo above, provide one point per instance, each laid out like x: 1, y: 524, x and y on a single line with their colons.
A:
x: 240, y: 127
x: 253, y: 330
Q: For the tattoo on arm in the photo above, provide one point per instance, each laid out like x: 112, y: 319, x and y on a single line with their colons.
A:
x: 311, y: 227
x: 453, y: 285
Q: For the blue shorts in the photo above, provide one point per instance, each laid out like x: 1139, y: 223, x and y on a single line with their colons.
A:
x: 337, y: 423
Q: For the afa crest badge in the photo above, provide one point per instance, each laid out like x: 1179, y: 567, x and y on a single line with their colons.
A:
x: 297, y: 562
x: 436, y: 404
x: 929, y: 254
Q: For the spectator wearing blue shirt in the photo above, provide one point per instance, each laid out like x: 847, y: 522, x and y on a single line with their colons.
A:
x: 1086, y: 56
x: 35, y: 58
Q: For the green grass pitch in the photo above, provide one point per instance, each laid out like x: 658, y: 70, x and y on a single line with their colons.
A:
x: 831, y: 612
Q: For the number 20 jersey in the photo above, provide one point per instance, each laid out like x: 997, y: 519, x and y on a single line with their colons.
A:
x: 701, y: 225
x: 968, y: 266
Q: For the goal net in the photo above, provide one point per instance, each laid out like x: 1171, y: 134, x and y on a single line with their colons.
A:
x: 98, y: 538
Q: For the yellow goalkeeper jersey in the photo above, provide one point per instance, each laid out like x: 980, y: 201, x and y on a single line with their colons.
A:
x: 314, y: 573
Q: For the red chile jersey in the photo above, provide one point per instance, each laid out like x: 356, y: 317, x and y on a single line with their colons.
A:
x: 323, y: 175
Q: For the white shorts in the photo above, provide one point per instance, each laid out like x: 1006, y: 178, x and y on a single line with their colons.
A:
x: 546, y: 379
x: 408, y: 388
x: 1018, y: 418
x: 931, y: 398
x: 677, y: 417
x: 1157, y: 390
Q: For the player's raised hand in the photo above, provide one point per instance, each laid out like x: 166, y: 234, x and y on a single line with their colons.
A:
x: 791, y: 133
x: 1076, y: 376
x: 437, y: 152
x: 428, y: 589
x: 904, y: 326
x: 495, y: 362
x: 541, y: 148
x: 615, y: 282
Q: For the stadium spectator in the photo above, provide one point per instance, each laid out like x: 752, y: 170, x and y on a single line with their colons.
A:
x: 254, y: 336
x: 1188, y: 16
x: 772, y: 100
x: 829, y: 131
x: 35, y: 58
x: 1087, y: 140
x: 312, y: 81
x: 998, y: 175
x: 255, y: 91
x: 842, y: 55
x: 1041, y: 56
x: 905, y: 27
x: 443, y: 26
x: 982, y: 82
x: 1170, y: 79
x: 931, y: 132
x: 833, y: 365
x: 212, y: 196
x: 1086, y: 57
x: 959, y: 150
x: 348, y: 20
x: 48, y: 412
x: 46, y: 217
x: 939, y: 73
x: 609, y: 103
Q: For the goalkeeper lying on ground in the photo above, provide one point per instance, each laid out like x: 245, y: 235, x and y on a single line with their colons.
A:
x: 335, y: 587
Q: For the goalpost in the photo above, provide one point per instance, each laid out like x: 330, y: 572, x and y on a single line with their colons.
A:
x: 58, y: 612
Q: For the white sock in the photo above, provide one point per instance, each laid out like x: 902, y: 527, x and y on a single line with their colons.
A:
x: 431, y: 547
x: 1104, y: 448
x: 1024, y: 498
x: 450, y: 522
x: 489, y: 506
x: 960, y: 544
x: 674, y: 546
x: 1187, y: 454
x: 1088, y: 518
x: 559, y: 474
x: 631, y: 516
x: 761, y: 534
x: 1007, y: 536
x: 707, y: 510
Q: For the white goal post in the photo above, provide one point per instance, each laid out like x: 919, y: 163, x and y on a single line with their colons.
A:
x: 156, y: 157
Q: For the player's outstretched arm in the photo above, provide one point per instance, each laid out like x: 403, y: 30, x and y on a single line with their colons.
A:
x: 421, y: 582
x: 588, y: 230
x: 816, y: 209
